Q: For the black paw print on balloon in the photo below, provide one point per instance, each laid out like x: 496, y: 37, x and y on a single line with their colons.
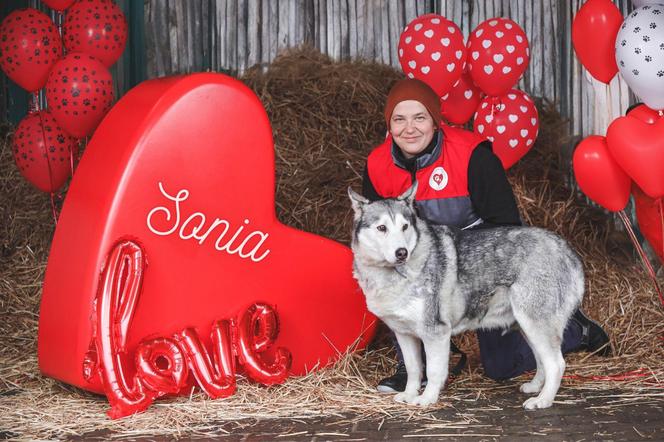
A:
x: 623, y: 43
x: 660, y: 74
x: 637, y: 30
x: 653, y: 25
x: 622, y: 64
x: 75, y: 92
x: 656, y: 12
x: 635, y: 71
x: 648, y: 58
x: 61, y: 138
x: 637, y: 50
x: 646, y: 38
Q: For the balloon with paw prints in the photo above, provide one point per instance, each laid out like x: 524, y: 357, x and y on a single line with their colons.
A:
x: 42, y: 151
x: 79, y: 92
x: 97, y: 28
x: 29, y: 46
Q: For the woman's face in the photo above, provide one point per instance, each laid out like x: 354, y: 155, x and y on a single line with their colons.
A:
x: 412, y: 127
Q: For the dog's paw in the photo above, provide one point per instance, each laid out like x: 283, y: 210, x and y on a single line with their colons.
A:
x: 405, y: 397
x: 537, y: 402
x: 424, y: 400
x: 531, y: 387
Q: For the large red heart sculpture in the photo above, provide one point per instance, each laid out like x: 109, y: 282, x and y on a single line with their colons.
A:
x: 185, y: 166
x: 638, y: 147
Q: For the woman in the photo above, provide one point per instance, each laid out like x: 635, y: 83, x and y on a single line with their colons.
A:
x: 461, y: 183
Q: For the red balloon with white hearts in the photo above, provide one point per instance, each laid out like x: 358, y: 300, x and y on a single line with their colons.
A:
x: 498, y: 54
x: 510, y: 122
x: 460, y: 103
x: 432, y: 49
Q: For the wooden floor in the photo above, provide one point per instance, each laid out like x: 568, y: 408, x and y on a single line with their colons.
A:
x: 603, y: 416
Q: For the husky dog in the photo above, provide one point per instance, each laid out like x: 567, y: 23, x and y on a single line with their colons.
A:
x: 428, y: 282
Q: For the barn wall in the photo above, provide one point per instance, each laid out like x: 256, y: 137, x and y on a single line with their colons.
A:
x: 232, y: 35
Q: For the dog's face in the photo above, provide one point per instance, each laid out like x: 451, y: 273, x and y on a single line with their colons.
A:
x: 385, y: 231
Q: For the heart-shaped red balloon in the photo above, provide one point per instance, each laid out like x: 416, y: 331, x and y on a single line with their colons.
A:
x: 645, y: 114
x: 29, y: 46
x: 650, y: 218
x: 185, y: 166
x: 598, y: 174
x: 97, y: 28
x: 638, y: 147
x: 43, y: 151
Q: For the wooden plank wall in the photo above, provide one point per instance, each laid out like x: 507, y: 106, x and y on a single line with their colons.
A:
x: 232, y: 35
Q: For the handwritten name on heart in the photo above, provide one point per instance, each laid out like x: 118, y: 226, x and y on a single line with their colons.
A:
x: 214, y: 243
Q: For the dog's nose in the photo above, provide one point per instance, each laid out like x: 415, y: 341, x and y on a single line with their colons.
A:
x: 401, y: 254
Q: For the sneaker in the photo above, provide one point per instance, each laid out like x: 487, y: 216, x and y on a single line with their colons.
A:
x: 594, y: 340
x: 397, y: 382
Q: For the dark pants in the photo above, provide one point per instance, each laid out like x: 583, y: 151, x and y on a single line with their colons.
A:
x: 508, y: 356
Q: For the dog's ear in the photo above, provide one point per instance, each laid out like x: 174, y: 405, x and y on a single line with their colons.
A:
x: 356, y: 200
x: 409, y: 194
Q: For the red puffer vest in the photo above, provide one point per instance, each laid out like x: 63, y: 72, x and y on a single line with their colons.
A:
x: 442, y: 177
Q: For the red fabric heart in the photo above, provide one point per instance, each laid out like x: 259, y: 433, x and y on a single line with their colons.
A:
x: 203, y: 139
x: 638, y: 147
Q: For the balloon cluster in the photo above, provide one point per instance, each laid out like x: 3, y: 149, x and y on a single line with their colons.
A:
x: 630, y: 158
x: 72, y: 66
x: 476, y: 78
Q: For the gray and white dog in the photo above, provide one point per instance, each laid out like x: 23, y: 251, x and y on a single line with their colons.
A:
x: 428, y: 282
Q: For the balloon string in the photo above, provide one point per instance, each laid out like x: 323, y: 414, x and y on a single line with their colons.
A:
x: 45, y: 152
x: 642, y: 254
x: 54, y: 211
x: 661, y: 219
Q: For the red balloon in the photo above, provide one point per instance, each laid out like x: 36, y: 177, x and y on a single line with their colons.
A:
x: 29, y: 46
x: 58, y: 5
x: 216, y: 374
x: 650, y: 217
x: 459, y: 105
x: 97, y: 28
x: 431, y: 49
x: 257, y: 330
x: 161, y: 366
x: 498, y: 54
x: 638, y: 148
x: 79, y: 91
x: 510, y: 122
x: 599, y: 176
x: 645, y: 114
x: 42, y: 151
x: 594, y: 32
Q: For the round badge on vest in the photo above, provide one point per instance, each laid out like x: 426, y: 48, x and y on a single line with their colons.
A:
x: 438, y: 179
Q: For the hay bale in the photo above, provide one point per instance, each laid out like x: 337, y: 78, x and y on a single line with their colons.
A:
x: 326, y: 117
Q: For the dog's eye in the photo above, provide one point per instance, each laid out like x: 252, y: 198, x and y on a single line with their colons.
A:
x: 405, y: 226
x: 382, y: 228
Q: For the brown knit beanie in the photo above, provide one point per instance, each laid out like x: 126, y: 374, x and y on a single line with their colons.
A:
x: 413, y: 89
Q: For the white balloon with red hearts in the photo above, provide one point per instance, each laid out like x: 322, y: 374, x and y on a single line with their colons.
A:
x: 498, y: 54
x: 432, y: 49
x: 510, y: 122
